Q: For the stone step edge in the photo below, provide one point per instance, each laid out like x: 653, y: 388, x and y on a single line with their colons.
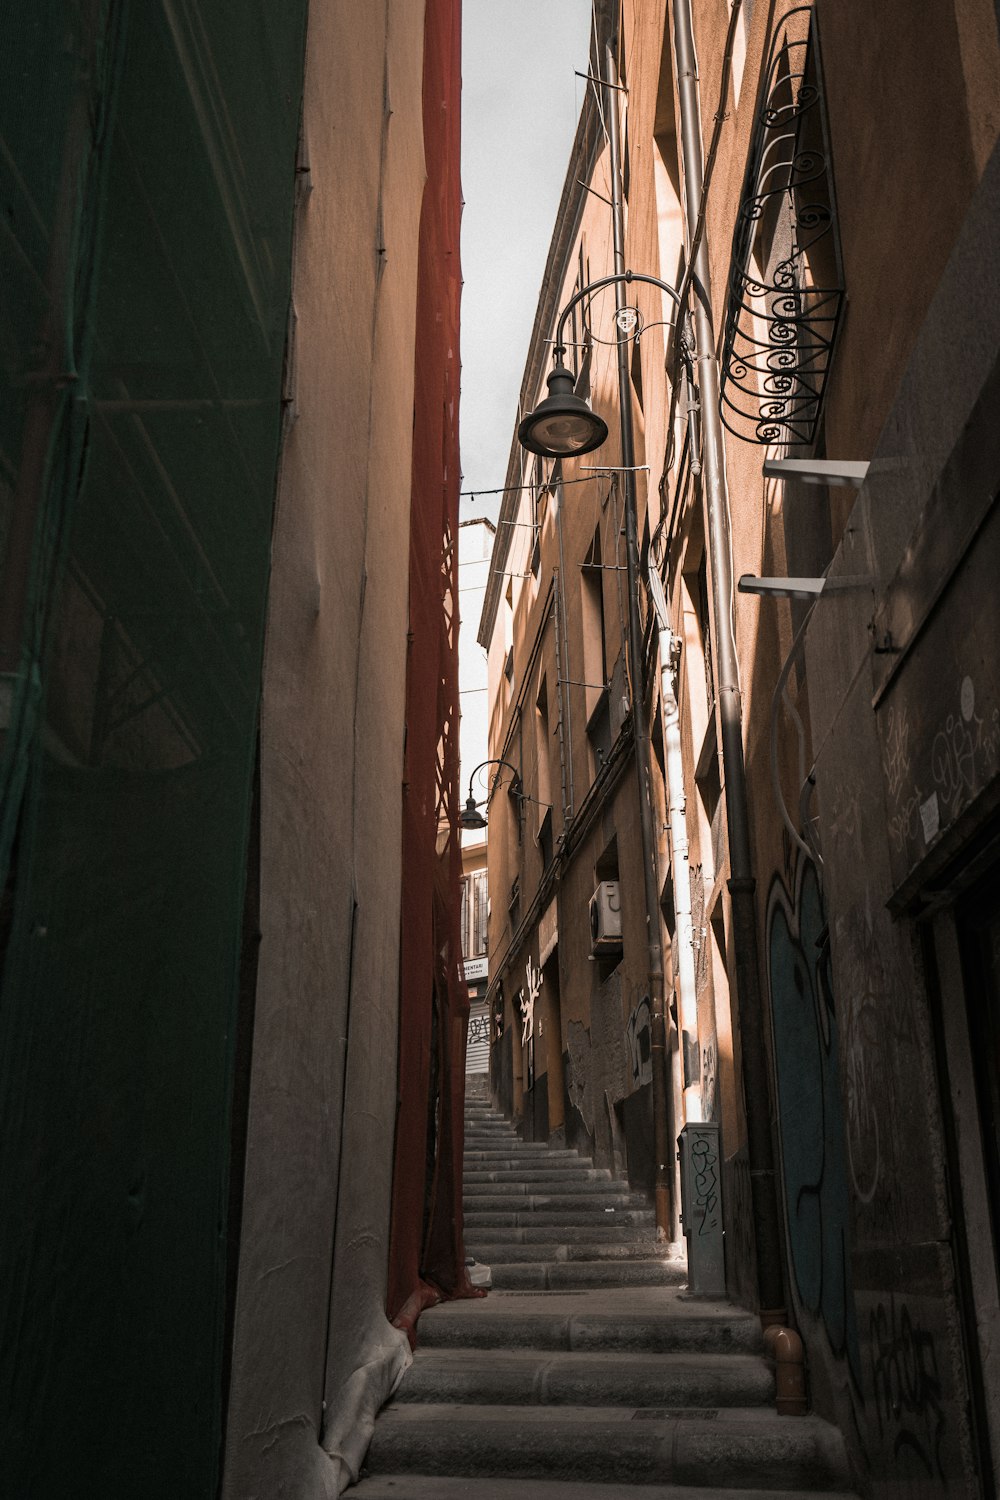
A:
x: 652, y: 1445
x: 458, y: 1487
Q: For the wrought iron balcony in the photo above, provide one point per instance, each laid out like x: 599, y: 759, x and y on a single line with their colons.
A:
x: 786, y: 284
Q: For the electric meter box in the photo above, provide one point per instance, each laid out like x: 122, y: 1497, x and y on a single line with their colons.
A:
x: 701, y: 1208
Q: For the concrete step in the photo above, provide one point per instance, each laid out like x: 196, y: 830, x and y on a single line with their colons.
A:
x: 501, y: 1157
x: 485, y: 1197
x: 530, y: 1377
x: 496, y: 1251
x: 461, y: 1487
x: 568, y: 1217
x: 646, y: 1320
x: 607, y: 1231
x: 578, y: 1274
x: 540, y: 1177
x: 720, y: 1446
x: 530, y: 1172
x: 562, y: 1184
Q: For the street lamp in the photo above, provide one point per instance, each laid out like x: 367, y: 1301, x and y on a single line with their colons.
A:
x: 470, y: 817
x: 563, y: 425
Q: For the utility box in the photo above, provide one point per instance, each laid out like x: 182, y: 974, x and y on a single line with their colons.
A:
x: 701, y: 1208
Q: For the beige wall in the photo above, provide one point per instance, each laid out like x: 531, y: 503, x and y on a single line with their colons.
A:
x: 322, y: 1103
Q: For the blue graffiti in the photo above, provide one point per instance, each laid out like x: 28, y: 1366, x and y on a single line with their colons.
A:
x: 810, y: 1110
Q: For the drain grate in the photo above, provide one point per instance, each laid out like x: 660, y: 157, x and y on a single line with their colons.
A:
x: 671, y: 1413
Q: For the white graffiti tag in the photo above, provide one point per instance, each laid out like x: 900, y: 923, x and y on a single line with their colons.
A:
x: 528, y: 1003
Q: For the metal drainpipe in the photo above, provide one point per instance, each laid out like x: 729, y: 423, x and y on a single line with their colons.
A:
x: 560, y: 689
x: 683, y: 944
x: 755, y: 1073
x: 661, y: 1145
x: 564, y: 659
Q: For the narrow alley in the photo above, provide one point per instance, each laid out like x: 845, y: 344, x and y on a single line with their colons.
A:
x: 499, y: 750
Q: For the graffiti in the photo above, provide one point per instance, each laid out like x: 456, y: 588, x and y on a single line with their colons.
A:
x: 813, y: 1154
x: 864, y: 1071
x: 579, y: 1074
x: 479, y: 1029
x: 897, y: 759
x: 705, y: 1165
x: 902, y: 823
x: 953, y: 762
x: 639, y: 1039
x: 964, y: 754
x: 846, y: 813
x: 528, y: 1003
x: 907, y: 1386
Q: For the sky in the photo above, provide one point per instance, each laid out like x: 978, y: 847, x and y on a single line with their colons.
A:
x: 520, y: 104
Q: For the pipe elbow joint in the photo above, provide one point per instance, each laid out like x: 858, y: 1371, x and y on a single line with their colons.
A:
x: 784, y: 1347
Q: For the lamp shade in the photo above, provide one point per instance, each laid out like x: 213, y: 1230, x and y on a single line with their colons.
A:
x: 563, y: 424
x: 470, y: 816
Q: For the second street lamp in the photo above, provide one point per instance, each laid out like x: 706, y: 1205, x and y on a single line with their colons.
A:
x: 470, y: 817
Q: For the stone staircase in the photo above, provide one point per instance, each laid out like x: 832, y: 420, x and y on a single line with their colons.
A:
x: 585, y: 1374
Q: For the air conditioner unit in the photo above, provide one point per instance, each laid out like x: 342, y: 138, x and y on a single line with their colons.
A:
x: 606, y: 918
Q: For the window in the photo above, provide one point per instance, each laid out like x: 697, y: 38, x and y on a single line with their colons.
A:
x: 480, y: 914
x: 595, y: 658
x: 475, y: 914
x: 544, y: 781
x: 705, y: 628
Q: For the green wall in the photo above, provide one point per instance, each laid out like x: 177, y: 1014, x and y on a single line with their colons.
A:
x: 146, y: 192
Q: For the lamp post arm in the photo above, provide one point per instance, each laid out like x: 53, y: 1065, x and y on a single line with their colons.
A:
x: 596, y: 286
x: 513, y: 770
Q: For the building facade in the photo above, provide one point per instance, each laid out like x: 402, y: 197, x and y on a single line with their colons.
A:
x: 823, y: 753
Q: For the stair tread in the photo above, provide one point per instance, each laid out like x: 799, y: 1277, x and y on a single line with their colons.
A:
x: 518, y: 1252
x: 595, y: 1379
x: 603, y: 1442
x: 758, y: 1419
x: 480, y: 1487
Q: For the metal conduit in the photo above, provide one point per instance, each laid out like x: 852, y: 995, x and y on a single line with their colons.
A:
x: 757, y: 1099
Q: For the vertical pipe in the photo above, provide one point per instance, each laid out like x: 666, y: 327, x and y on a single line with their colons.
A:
x: 564, y: 660
x: 755, y: 1074
x: 680, y: 870
x: 637, y: 694
x: 560, y: 690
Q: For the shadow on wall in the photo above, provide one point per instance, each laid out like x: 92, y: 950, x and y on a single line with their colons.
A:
x: 813, y: 1157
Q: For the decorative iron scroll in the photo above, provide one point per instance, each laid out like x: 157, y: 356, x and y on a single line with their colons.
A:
x: 786, y: 284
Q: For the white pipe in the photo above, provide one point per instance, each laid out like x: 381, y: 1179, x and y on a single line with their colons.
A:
x: 680, y: 869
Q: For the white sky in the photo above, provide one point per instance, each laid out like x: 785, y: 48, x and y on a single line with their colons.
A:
x: 520, y: 105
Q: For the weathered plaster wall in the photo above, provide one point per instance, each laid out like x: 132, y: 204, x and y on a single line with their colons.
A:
x: 319, y: 1153
x: 903, y: 779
